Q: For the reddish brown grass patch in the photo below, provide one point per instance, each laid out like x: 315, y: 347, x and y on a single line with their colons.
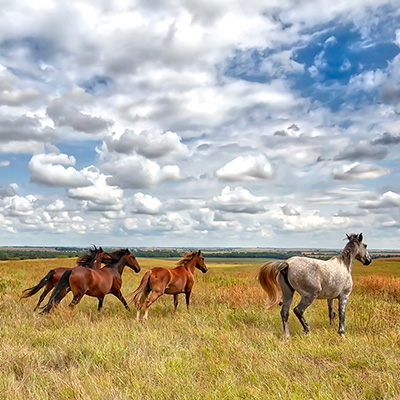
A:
x: 378, y: 285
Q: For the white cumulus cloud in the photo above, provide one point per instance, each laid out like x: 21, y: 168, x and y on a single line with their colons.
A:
x: 49, y: 170
x: 246, y: 168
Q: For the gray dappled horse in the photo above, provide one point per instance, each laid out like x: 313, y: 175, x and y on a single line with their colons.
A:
x: 313, y: 279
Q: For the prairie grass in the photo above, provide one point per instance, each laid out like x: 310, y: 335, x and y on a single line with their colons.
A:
x: 227, y: 347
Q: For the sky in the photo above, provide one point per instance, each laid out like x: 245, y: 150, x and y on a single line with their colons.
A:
x: 186, y: 123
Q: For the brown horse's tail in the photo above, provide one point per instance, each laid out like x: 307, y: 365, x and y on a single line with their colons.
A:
x: 31, y: 291
x: 268, y: 278
x: 59, y: 292
x: 143, y: 290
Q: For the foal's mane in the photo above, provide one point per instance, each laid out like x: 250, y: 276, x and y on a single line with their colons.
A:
x: 87, y: 259
x: 186, y: 257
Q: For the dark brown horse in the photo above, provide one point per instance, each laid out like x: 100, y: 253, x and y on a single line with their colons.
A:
x: 92, y: 260
x: 95, y: 283
x: 170, y: 281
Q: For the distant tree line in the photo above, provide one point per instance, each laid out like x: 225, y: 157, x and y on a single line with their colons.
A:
x: 172, y: 253
x: 20, y: 254
x: 69, y: 252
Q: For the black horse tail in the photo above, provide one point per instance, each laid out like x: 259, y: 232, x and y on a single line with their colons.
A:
x: 59, y: 292
x: 143, y: 290
x: 31, y: 291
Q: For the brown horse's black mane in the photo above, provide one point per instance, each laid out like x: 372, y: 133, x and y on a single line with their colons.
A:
x: 116, y: 256
x: 87, y: 259
x: 186, y: 258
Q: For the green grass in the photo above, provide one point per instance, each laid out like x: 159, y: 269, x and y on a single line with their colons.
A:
x: 227, y: 347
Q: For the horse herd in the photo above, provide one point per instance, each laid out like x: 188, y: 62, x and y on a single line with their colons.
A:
x: 311, y: 278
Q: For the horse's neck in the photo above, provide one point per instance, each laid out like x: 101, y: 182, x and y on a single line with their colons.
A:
x: 190, y: 265
x: 96, y: 264
x: 119, y: 265
x: 348, y: 256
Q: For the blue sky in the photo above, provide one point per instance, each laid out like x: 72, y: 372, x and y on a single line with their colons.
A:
x: 232, y: 123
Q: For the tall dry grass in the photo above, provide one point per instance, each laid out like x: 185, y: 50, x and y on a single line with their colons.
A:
x: 227, y: 347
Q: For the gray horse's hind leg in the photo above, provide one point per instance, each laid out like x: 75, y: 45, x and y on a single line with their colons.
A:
x: 305, y: 301
x: 331, y: 310
x: 287, y: 294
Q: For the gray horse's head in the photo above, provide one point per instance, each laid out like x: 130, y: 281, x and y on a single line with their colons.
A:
x: 362, y: 253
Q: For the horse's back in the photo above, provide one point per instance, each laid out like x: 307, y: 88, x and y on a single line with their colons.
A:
x: 325, y: 278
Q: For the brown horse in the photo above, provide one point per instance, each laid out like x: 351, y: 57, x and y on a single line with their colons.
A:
x: 92, y: 260
x: 170, y: 281
x: 95, y: 283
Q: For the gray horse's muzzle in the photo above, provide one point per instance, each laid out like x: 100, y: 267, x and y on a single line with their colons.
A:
x: 367, y: 261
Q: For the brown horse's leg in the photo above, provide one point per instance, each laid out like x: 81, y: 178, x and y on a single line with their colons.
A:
x: 153, y: 297
x: 101, y: 299
x: 175, y: 301
x: 77, y: 298
x: 121, y: 298
x: 188, y: 293
x: 46, y: 290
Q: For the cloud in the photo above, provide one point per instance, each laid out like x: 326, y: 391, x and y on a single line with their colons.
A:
x: 98, y: 192
x: 149, y: 144
x: 361, y: 151
x: 56, y: 206
x: 48, y: 170
x: 246, y: 168
x: 10, y: 95
x: 137, y: 172
x: 24, y: 128
x: 359, y: 171
x: 387, y: 139
x: 390, y: 93
x: 387, y: 200
x: 278, y: 98
x: 287, y: 209
x: 7, y: 190
x: 67, y: 115
x: 18, y: 206
x: 238, y: 200
x: 145, y: 204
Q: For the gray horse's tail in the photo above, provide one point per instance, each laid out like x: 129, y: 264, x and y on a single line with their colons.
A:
x: 143, y: 290
x: 268, y: 278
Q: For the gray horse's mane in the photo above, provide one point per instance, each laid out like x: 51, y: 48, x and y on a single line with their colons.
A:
x: 347, y: 252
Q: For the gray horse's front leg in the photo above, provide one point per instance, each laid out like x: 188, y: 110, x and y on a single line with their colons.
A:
x: 331, y: 310
x: 342, y: 313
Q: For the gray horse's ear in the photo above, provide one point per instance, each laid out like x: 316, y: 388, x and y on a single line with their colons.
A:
x: 348, y: 237
x: 360, y: 237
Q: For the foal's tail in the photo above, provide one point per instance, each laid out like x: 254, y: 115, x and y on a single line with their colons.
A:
x: 143, y: 290
x: 268, y: 277
x: 31, y: 291
x: 59, y: 292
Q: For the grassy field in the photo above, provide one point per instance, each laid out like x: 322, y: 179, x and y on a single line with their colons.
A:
x: 227, y: 347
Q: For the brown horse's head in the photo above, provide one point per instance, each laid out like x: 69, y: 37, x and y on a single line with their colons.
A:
x: 94, y: 259
x: 101, y: 255
x: 200, y: 264
x: 131, y: 261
